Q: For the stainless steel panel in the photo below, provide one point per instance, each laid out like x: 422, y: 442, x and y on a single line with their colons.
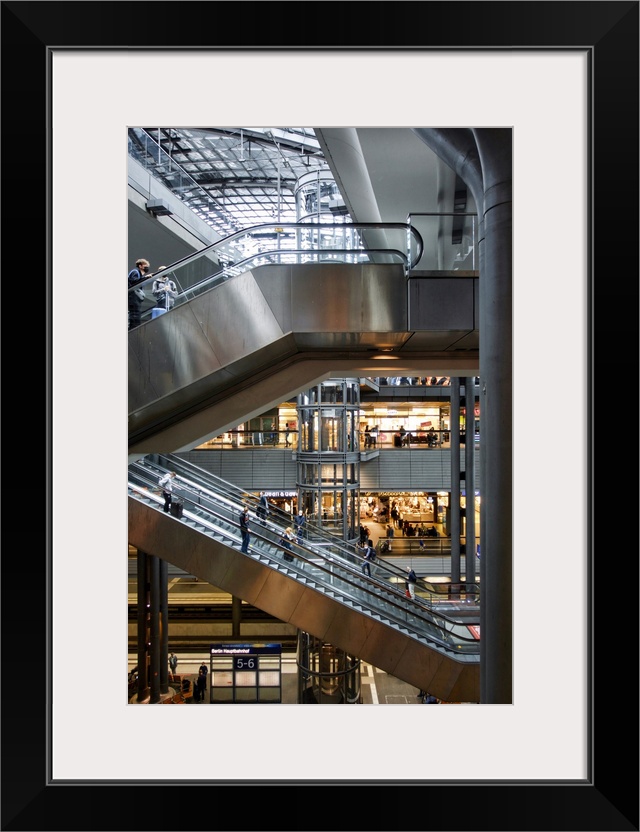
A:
x: 342, y: 298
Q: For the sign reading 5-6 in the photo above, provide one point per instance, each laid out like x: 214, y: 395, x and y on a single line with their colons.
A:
x: 246, y: 662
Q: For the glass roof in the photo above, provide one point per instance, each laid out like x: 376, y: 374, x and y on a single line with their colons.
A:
x: 231, y: 177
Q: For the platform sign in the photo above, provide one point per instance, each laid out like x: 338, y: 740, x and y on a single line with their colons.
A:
x: 245, y: 673
x: 245, y: 662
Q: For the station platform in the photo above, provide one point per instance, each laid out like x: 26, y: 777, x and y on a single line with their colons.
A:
x: 378, y: 687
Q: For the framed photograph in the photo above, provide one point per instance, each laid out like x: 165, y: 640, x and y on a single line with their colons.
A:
x: 564, y: 77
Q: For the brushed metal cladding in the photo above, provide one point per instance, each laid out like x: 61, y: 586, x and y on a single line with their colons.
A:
x: 349, y: 299
x: 199, y: 338
x: 282, y: 595
x: 237, y: 319
x: 257, y: 325
x: 275, y: 284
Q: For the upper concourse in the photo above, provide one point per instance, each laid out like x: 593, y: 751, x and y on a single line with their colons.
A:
x: 276, y: 329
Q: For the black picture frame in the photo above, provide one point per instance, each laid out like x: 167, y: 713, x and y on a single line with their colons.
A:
x: 608, y: 800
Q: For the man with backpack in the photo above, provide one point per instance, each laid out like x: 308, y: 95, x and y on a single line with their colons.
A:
x: 369, y: 555
x: 136, y: 295
x: 412, y: 579
x: 244, y: 529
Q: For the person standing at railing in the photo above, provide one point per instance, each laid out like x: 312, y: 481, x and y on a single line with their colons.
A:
x: 165, y: 292
x: 136, y: 295
x: 390, y: 534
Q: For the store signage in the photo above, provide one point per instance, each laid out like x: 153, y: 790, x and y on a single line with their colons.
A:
x: 281, y: 493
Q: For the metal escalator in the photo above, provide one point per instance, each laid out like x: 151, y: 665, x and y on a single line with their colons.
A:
x: 243, y: 338
x: 322, y: 591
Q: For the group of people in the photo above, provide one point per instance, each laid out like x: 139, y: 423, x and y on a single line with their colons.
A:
x: 370, y: 436
x: 367, y: 552
x: 427, y: 698
x: 200, y: 683
x: 163, y: 289
x: 262, y: 512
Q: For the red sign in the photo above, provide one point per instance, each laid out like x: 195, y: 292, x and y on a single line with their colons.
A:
x: 474, y: 629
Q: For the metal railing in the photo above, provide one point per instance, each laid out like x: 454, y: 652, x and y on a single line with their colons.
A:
x: 265, y: 245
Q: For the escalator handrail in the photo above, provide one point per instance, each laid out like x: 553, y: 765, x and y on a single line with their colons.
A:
x: 344, y: 549
x: 218, y: 246
x: 379, y: 607
x: 240, y: 498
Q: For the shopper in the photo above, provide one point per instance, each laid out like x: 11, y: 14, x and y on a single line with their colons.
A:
x: 166, y: 484
x: 136, y: 295
x: 286, y: 542
x: 300, y: 522
x: 411, y: 583
x: 263, y: 508
x: 244, y: 530
x: 390, y: 534
x: 369, y: 555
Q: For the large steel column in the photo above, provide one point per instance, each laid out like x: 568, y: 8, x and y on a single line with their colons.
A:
x: 470, y: 481
x: 164, y: 627
x: 236, y: 616
x: 496, y: 447
x: 154, y: 680
x: 483, y: 159
x: 143, y: 635
x: 454, y: 499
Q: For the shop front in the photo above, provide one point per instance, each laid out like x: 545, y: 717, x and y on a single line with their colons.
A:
x: 414, y: 513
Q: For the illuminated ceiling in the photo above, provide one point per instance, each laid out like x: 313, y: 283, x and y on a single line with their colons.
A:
x: 232, y: 177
